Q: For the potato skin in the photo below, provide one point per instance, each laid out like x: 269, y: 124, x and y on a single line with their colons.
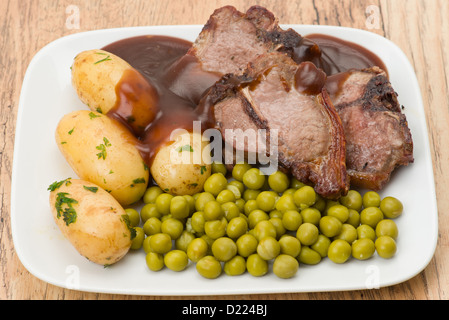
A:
x: 101, y: 150
x: 182, y: 176
x: 96, y: 226
x: 95, y: 81
x: 106, y: 82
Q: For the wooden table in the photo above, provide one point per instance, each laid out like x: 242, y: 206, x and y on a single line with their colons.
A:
x: 419, y: 27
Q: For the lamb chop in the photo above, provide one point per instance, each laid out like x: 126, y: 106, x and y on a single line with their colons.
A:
x: 378, y: 138
x: 279, y: 95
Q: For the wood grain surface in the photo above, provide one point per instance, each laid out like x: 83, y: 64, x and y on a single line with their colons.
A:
x: 419, y: 27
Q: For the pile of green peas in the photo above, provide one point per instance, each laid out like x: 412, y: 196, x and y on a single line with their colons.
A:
x: 252, y: 222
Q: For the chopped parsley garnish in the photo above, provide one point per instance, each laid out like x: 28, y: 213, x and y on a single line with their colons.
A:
x: 68, y: 213
x: 105, y: 59
x: 71, y: 131
x: 99, y: 110
x: 102, y: 148
x: 91, y: 189
x: 133, y: 232
x: 203, y: 169
x: 186, y: 147
x: 93, y: 115
x: 64, y: 142
x: 55, y: 185
x: 137, y: 181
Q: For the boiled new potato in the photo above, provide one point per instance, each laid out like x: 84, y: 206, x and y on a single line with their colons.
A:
x: 101, y: 150
x: 91, y: 219
x: 105, y: 82
x: 182, y: 167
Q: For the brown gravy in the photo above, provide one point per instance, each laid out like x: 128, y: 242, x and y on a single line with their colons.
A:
x: 163, y: 63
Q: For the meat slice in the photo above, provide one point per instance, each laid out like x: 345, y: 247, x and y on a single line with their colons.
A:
x: 377, y: 135
x: 274, y: 94
x: 227, y: 42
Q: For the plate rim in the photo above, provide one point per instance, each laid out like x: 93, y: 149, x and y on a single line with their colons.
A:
x: 137, y: 29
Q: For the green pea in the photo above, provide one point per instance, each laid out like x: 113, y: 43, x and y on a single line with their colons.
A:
x: 387, y: 227
x: 286, y: 202
x: 256, y: 216
x: 235, y: 191
x: 330, y: 226
x: 179, y: 207
x: 190, y: 202
x: 239, y: 185
x: 224, y: 249
x: 138, y: 239
x: 176, y: 260
x: 253, y: 179
x: 250, y: 206
x: 161, y: 243
x: 149, y: 210
x: 290, y: 245
x: 385, y: 247
x: 239, y: 170
x: 371, y: 216
x: 264, y: 229
x: 276, y: 214
x: 363, y: 249
x: 321, y: 245
x: 163, y: 203
x: 218, y: 167
x: 202, y: 199
x: 146, y: 245
x: 339, y: 211
x: 371, y: 199
x: 236, y: 227
x: 339, y: 251
x: 309, y: 256
x: 256, y: 266
x: 391, y: 207
x: 215, y: 228
x: 197, y: 249
x: 278, y: 226
x: 172, y: 227
x: 246, y: 245
x: 348, y: 233
x: 230, y: 210
x: 366, y: 231
x: 290, y: 192
x: 268, y: 248
x: 226, y: 196
x: 209, y: 267
x: 152, y: 226
x: 213, y: 211
x: 184, y: 240
x: 291, y: 219
x: 307, y: 234
x: 151, y: 194
x: 278, y: 181
x: 266, y: 200
x: 311, y: 215
x: 353, y: 200
x: 250, y: 194
x: 197, y: 222
x: 354, y: 218
x: 154, y: 261
x: 240, y: 203
x: 215, y: 184
x: 134, y: 217
x: 285, y: 266
x: 236, y: 266
x: 320, y: 204
x: 296, y: 184
x: 304, y: 196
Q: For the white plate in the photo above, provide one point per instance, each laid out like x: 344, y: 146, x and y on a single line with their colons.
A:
x: 47, y: 95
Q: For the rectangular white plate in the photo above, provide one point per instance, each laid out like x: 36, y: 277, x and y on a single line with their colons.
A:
x: 47, y: 95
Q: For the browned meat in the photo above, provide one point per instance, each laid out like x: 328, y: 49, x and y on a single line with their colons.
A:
x: 273, y: 95
x: 227, y: 42
x: 377, y: 135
